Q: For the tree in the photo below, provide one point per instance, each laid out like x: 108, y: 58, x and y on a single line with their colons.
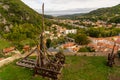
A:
x: 93, y: 32
x: 48, y: 43
x: 70, y: 35
x: 81, y: 39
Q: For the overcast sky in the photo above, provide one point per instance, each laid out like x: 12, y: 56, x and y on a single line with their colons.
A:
x: 59, y: 7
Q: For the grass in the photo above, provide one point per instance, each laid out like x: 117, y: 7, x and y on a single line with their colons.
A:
x: 76, y: 68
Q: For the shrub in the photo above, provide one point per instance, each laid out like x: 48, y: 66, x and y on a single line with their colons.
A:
x: 86, y: 49
x: 83, y: 49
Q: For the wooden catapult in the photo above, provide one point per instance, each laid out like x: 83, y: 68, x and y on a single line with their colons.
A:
x: 45, y: 64
x: 111, y: 57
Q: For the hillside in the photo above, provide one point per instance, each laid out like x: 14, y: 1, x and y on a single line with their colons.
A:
x: 19, y: 24
x: 15, y: 11
x: 111, y: 14
x: 105, y: 13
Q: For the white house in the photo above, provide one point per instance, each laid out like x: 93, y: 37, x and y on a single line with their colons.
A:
x: 73, y: 31
x: 47, y: 32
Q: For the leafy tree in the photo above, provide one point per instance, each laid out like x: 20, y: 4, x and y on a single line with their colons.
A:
x: 48, y: 43
x: 70, y: 35
x: 81, y: 39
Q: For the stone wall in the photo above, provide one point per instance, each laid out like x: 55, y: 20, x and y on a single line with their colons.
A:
x: 88, y: 54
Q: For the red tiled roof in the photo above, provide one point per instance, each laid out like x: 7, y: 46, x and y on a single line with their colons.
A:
x: 26, y: 47
x: 70, y: 44
x: 6, y: 50
x: 118, y: 40
x: 1, y: 59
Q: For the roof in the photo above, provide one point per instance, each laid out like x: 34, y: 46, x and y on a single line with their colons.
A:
x: 26, y: 47
x: 118, y: 40
x: 6, y: 50
x: 69, y: 44
x: 1, y: 59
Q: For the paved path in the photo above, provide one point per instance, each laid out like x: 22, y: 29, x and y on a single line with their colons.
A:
x: 18, y: 55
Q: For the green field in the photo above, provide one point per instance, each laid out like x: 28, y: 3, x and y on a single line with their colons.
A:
x: 76, y: 68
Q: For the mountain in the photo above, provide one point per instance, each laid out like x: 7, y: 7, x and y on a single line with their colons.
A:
x: 111, y: 14
x: 104, y: 13
x: 19, y: 24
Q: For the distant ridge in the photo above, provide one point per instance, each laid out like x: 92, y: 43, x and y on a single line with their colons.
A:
x: 110, y: 14
x: 73, y: 16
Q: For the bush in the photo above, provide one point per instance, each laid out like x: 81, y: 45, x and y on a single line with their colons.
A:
x: 83, y: 49
x: 86, y: 49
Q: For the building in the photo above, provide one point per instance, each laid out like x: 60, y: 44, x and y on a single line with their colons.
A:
x: 71, y: 46
x: 47, y: 32
x: 26, y: 48
x: 73, y: 31
x: 7, y: 50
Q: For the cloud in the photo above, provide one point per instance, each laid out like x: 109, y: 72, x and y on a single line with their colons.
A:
x: 61, y: 5
x: 70, y: 4
x: 66, y: 12
x: 33, y: 3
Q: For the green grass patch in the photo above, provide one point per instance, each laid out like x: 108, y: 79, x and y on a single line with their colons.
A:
x: 14, y: 72
x: 76, y: 68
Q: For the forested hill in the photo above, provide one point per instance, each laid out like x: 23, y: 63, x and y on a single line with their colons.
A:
x: 105, y: 13
x: 111, y: 14
x: 19, y: 24
x: 16, y: 12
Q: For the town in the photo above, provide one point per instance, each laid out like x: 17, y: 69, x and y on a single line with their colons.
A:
x: 104, y: 45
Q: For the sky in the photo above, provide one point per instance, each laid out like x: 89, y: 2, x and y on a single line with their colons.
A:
x: 63, y: 7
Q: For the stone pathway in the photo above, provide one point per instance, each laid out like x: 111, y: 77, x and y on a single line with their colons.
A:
x: 18, y: 55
